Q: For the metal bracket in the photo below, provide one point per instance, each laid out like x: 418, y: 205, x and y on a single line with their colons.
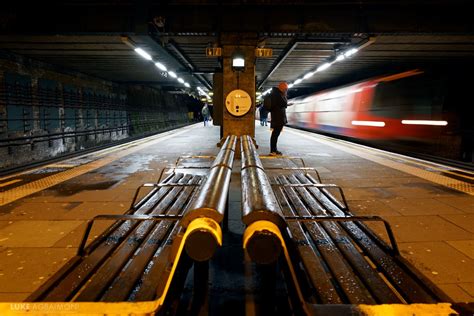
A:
x: 298, y: 168
x: 344, y: 206
x: 81, y: 251
x: 159, y: 185
x: 388, y: 228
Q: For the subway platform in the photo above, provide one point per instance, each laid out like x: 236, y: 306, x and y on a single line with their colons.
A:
x: 43, y: 212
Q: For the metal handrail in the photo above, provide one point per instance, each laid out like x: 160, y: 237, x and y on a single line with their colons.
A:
x: 313, y: 218
x: 158, y: 185
x: 345, y: 206
x: 81, y: 251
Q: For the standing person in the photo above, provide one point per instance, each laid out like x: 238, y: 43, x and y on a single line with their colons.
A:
x: 279, y: 103
x: 263, y: 115
x: 205, y: 113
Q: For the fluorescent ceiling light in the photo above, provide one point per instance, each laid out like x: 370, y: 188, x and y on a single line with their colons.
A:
x: 142, y: 53
x: 187, y: 84
x: 290, y: 86
x: 323, y: 67
x: 161, y: 66
x: 351, y: 52
x: 181, y: 80
x: 172, y: 74
x: 340, y: 57
x: 308, y: 75
x: 424, y: 122
x: 297, y: 81
x: 369, y: 123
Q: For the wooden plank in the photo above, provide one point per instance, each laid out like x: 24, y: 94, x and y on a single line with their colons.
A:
x: 108, y: 272
x: 372, y: 280
x: 321, y: 281
x: 74, y: 280
x: 52, y: 282
x: 352, y: 287
x: 157, y: 273
x: 126, y: 281
x: 411, y: 290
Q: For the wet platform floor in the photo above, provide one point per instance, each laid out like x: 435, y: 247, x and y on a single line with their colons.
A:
x: 43, y: 212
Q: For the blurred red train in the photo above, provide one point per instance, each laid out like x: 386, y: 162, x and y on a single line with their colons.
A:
x: 408, y: 108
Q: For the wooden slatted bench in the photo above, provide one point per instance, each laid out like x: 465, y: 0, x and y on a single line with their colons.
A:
x: 334, y: 258
x: 136, y: 257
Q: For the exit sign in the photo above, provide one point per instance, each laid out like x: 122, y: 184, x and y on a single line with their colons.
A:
x: 214, y: 51
x: 263, y: 52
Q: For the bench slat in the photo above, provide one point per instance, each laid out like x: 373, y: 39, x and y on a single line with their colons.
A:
x: 345, y: 277
x: 126, y: 281
x: 320, y: 280
x: 372, y: 280
x: 76, y: 278
x: 411, y: 290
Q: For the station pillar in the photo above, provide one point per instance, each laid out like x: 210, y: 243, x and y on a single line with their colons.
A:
x: 238, y: 84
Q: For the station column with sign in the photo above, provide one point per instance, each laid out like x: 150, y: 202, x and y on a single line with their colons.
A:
x: 238, y: 85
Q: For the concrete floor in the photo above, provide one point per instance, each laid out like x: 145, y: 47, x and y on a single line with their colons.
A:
x: 39, y: 232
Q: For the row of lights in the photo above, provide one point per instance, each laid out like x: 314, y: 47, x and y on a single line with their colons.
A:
x: 340, y: 57
x: 162, y: 67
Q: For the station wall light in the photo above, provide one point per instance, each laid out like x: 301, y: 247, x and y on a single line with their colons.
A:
x: 238, y: 61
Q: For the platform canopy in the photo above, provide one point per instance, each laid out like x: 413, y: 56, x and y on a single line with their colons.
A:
x: 98, y: 38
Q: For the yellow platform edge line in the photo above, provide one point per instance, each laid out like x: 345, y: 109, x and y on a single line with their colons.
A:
x: 27, y: 189
x: 424, y: 174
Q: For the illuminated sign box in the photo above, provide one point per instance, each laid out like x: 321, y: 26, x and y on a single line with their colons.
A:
x: 263, y: 52
x: 214, y: 51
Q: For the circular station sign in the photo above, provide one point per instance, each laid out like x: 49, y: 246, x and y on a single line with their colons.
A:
x: 238, y: 102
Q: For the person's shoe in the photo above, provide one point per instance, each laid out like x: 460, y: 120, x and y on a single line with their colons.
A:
x: 279, y: 153
x: 273, y: 153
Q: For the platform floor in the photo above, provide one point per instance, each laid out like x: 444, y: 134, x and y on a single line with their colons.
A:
x: 43, y: 211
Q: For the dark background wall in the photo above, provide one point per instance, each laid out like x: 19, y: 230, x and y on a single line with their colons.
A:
x: 46, y: 112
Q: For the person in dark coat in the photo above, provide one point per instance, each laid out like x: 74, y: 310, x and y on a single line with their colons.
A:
x: 278, y: 112
x: 263, y: 115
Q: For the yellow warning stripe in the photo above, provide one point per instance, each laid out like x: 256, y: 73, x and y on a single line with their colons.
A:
x: 52, y: 180
x: 10, y: 182
x: 421, y: 173
x: 431, y: 165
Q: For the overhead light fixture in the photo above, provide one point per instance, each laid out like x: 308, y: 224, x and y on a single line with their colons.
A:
x: 351, y: 52
x: 267, y: 91
x: 297, y: 81
x: 142, y: 53
x: 341, y: 57
x: 187, y: 85
x: 308, y: 75
x: 290, y: 86
x: 181, y: 80
x: 211, y: 93
x: 238, y: 61
x: 323, y: 67
x: 161, y: 66
x: 172, y: 74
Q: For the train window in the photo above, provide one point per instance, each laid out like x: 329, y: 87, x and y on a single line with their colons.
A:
x: 408, y: 96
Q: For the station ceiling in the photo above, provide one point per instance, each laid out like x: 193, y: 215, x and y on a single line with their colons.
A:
x: 97, y: 38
